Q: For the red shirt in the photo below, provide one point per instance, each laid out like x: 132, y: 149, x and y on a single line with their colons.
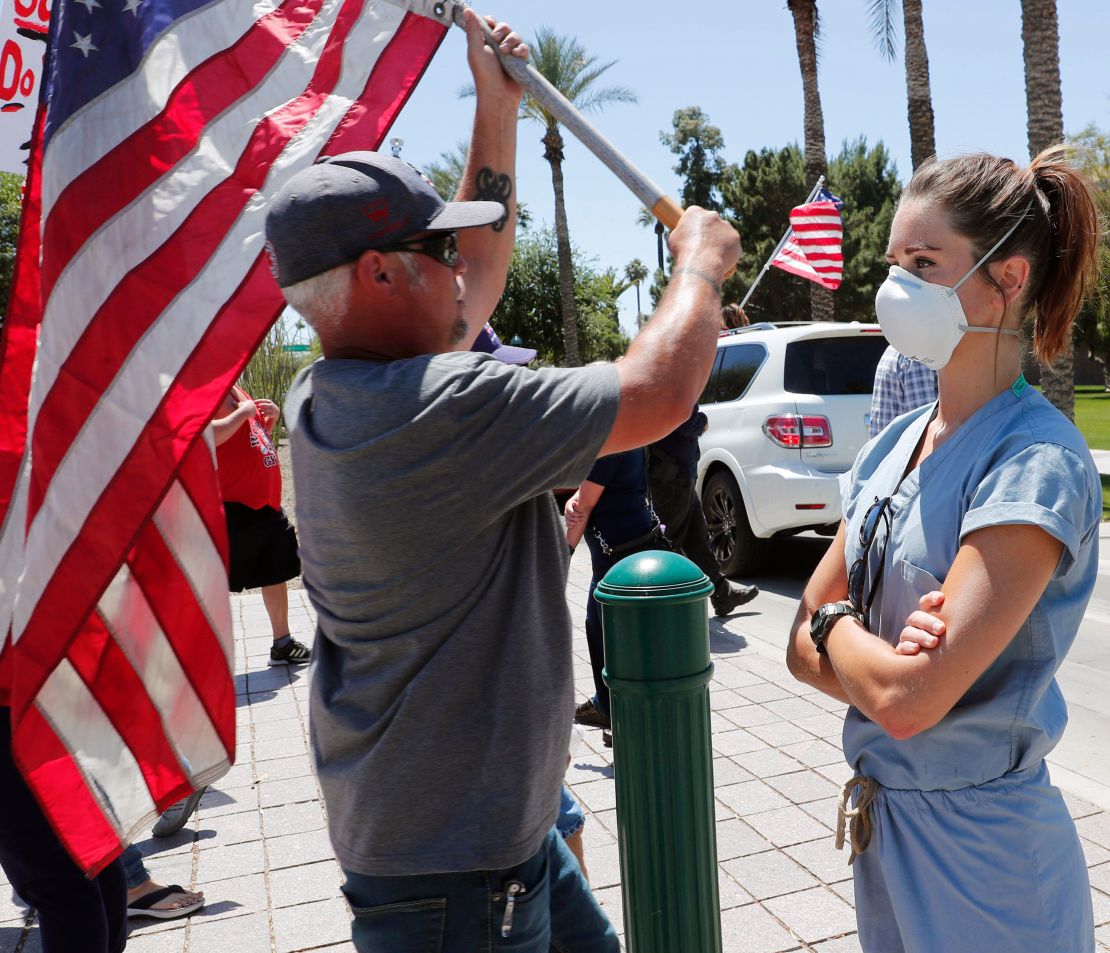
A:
x: 248, y: 464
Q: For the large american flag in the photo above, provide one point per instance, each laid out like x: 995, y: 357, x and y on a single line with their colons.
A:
x: 813, y: 249
x: 141, y: 289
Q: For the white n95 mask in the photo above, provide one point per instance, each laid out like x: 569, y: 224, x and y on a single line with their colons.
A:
x: 926, y: 321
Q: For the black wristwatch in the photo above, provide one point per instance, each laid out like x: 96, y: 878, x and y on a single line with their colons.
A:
x: 825, y: 617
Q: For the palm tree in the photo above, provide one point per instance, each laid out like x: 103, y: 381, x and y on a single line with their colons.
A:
x: 1040, y: 34
x: 635, y: 272
x: 806, y: 31
x: 919, y: 96
x: 563, y: 62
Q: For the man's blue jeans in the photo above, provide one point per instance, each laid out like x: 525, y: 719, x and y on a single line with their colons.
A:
x: 544, y: 904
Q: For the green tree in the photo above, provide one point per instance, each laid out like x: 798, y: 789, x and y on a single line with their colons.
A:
x: 759, y: 195
x: 698, y: 145
x: 1040, y: 35
x: 867, y: 180
x: 1092, y: 327
x: 919, y: 95
x: 11, y: 196
x: 529, y: 305
x: 807, y: 30
x: 564, y: 63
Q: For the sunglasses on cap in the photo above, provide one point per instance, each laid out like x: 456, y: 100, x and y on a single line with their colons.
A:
x: 443, y: 248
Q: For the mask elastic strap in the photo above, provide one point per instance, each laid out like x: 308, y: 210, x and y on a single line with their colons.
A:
x: 994, y: 248
x: 964, y: 326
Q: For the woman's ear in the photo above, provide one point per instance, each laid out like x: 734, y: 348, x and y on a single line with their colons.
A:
x: 1012, y: 275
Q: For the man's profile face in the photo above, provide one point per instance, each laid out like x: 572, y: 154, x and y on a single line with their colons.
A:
x: 438, y: 296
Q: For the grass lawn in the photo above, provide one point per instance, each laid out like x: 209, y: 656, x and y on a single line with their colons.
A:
x: 1092, y: 417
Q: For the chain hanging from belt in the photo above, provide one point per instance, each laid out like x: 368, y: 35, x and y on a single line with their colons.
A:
x: 858, y: 818
x: 656, y: 527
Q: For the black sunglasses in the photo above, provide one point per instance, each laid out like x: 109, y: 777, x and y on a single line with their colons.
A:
x: 878, y: 514
x: 443, y: 248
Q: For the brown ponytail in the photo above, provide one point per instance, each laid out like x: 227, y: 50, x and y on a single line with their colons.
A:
x: 1059, y: 232
x: 1068, y: 274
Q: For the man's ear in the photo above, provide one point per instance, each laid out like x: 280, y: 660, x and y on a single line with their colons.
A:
x: 376, y: 273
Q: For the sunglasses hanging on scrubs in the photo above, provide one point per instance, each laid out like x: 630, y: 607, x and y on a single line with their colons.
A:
x: 926, y: 321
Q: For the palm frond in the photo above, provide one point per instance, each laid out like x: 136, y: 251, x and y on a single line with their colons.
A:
x: 598, y: 98
x: 882, y: 20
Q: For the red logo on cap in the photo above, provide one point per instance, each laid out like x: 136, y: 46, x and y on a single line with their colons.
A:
x: 377, y: 210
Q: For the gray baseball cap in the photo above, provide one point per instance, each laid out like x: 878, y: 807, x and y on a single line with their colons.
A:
x: 333, y: 211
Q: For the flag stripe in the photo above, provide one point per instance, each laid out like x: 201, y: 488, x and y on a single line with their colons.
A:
x: 125, y: 172
x: 200, y: 562
x: 823, y: 237
x: 18, y: 335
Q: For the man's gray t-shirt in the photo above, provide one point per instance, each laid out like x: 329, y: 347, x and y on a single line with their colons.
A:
x: 441, y: 698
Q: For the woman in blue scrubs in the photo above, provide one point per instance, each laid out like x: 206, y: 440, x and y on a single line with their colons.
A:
x: 960, y: 574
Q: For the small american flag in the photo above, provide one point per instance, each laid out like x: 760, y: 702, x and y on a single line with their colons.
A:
x: 141, y: 289
x: 813, y: 249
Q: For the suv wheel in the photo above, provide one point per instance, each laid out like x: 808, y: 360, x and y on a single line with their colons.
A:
x: 730, y: 535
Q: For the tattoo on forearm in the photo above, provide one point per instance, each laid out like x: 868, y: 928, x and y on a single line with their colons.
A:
x: 712, y: 282
x: 495, y: 187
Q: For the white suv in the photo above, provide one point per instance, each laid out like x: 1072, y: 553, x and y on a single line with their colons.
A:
x: 788, y: 407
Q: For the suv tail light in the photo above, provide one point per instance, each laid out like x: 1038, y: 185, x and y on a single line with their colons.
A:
x: 796, y: 433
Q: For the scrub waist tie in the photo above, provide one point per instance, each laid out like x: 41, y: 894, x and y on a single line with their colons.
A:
x: 857, y: 819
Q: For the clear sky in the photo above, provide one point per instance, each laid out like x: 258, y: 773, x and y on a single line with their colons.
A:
x: 736, y: 60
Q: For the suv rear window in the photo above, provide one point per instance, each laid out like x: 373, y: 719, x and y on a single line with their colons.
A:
x: 733, y: 371
x: 829, y: 366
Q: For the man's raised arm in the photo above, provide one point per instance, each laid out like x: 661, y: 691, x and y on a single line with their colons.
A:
x: 665, y: 369
x: 490, y: 173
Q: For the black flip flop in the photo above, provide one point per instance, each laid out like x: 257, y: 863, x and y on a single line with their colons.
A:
x: 143, y: 906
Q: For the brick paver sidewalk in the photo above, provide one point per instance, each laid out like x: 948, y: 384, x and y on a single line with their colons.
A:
x: 259, y: 850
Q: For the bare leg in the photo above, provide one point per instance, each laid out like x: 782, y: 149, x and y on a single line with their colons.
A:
x: 574, y: 842
x: 276, y: 600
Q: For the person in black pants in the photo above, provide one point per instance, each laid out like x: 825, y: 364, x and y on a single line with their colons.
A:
x: 74, y: 913
x: 611, y: 510
x: 672, y: 465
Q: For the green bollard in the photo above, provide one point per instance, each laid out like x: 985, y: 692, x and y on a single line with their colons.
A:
x: 657, y: 668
